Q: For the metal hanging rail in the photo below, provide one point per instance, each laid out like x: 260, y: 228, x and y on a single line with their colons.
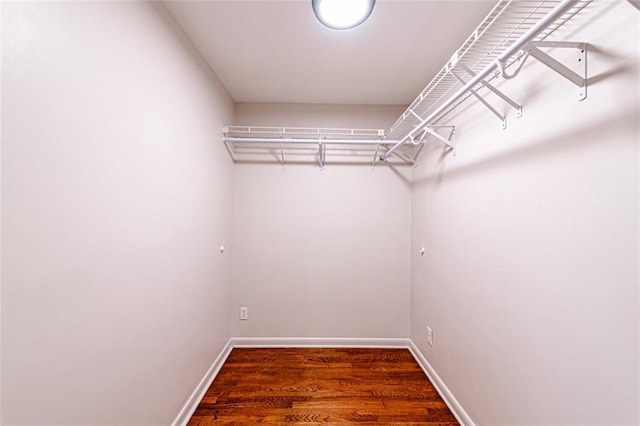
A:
x: 529, y: 21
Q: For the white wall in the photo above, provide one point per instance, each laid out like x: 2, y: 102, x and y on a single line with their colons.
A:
x: 530, y: 277
x: 116, y: 198
x: 321, y: 253
x: 319, y: 115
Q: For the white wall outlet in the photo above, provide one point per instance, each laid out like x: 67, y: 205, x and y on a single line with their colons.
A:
x: 244, y: 313
x: 429, y: 336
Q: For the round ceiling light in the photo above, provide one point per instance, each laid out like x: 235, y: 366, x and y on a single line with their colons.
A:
x: 342, y: 14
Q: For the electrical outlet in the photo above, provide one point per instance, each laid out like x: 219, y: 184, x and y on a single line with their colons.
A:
x: 429, y: 336
x: 244, y: 313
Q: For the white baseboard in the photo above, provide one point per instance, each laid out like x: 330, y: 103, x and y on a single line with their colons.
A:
x: 318, y: 342
x: 196, y: 396
x: 453, y: 404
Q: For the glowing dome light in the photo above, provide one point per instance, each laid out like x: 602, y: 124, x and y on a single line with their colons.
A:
x: 342, y: 14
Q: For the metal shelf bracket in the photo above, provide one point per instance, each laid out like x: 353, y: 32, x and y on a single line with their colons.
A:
x: 321, y: 155
x: 474, y: 92
x: 282, y: 162
x: 448, y: 139
x: 497, y: 92
x: 579, y: 77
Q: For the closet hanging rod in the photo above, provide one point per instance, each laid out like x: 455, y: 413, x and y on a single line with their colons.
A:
x: 519, y: 44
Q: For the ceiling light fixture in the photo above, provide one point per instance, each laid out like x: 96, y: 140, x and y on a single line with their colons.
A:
x: 342, y: 14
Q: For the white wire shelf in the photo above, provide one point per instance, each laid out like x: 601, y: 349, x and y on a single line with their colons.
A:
x: 506, y: 23
x: 310, y: 145
x: 327, y: 134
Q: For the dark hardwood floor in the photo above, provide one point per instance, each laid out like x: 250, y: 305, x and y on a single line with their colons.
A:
x: 309, y: 385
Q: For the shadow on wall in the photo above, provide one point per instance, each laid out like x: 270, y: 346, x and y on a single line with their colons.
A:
x: 404, y: 177
x: 595, y: 132
x: 401, y: 170
x: 621, y: 69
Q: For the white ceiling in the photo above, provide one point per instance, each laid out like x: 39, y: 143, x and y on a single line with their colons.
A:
x: 276, y: 51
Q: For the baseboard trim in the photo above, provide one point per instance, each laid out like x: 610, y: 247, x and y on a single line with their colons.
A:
x: 453, y: 404
x: 318, y: 342
x: 196, y: 396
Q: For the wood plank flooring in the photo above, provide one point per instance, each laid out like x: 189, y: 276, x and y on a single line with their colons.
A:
x: 312, y: 386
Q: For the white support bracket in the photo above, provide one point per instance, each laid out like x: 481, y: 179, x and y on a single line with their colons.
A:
x: 375, y: 156
x: 495, y: 112
x: 448, y: 140
x: 578, y: 78
x: 321, y: 155
x: 497, y: 92
x: 282, y: 162
x: 404, y: 157
x: 400, y: 154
